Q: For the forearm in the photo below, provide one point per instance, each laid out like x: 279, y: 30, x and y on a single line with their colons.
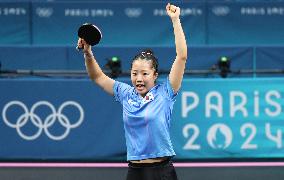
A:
x: 92, y: 66
x: 180, y: 41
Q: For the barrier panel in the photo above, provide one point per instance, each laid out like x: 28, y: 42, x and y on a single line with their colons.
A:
x: 72, y: 119
x: 46, y: 119
x: 232, y: 118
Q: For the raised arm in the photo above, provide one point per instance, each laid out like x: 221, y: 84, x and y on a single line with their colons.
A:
x: 95, y: 72
x: 177, y: 70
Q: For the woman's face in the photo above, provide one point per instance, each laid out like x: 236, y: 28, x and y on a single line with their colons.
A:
x: 143, y: 76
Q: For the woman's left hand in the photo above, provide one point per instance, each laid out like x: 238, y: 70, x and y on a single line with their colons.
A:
x: 173, y: 11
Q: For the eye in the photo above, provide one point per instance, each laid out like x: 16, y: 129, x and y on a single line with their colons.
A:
x: 134, y: 74
x: 145, y: 74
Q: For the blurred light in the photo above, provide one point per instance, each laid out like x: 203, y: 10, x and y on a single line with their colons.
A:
x: 224, y: 66
x: 114, y: 65
x: 224, y: 59
x: 114, y: 59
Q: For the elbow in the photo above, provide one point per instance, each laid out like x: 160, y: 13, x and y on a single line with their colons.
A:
x: 94, y: 77
x: 183, y: 57
x: 99, y: 78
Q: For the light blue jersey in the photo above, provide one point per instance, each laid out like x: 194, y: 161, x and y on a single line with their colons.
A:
x: 146, y: 120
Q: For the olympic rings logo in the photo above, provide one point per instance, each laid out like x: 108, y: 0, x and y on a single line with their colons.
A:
x: 43, y: 124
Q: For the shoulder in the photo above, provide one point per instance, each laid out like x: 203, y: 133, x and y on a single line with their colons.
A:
x: 121, y: 85
x: 121, y: 89
x: 166, y: 89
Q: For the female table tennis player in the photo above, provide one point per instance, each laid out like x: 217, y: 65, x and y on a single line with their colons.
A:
x: 147, y: 106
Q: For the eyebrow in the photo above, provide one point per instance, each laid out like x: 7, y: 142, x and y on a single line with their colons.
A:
x: 141, y: 70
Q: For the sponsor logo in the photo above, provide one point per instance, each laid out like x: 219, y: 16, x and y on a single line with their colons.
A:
x: 133, y: 12
x: 44, y: 12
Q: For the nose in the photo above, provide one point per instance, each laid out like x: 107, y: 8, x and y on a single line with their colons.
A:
x: 139, y: 78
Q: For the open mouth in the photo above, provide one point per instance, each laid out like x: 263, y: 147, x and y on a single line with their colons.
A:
x: 140, y: 87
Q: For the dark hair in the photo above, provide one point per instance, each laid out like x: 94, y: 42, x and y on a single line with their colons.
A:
x: 147, y: 55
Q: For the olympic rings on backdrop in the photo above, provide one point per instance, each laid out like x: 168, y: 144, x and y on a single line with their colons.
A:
x: 43, y: 124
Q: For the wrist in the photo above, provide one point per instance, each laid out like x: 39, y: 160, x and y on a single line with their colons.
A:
x: 175, y: 19
x: 88, y: 54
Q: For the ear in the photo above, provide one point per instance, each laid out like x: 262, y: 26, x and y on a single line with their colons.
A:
x: 156, y: 75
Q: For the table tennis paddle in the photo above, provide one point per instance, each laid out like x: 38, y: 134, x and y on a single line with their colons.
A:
x: 90, y: 33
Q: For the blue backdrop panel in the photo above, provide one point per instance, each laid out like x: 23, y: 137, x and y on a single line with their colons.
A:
x: 142, y: 23
x: 33, y: 58
x: 245, y: 23
x: 206, y: 57
x: 59, y: 119
x: 231, y: 118
x: 68, y: 58
x: 121, y: 23
x: 165, y: 56
x: 198, y: 57
x: 15, y: 23
x: 269, y: 57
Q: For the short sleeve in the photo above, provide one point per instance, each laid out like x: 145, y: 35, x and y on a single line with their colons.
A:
x: 120, y: 90
x: 168, y: 90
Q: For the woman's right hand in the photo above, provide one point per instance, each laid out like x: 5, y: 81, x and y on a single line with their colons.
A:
x: 83, y: 44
